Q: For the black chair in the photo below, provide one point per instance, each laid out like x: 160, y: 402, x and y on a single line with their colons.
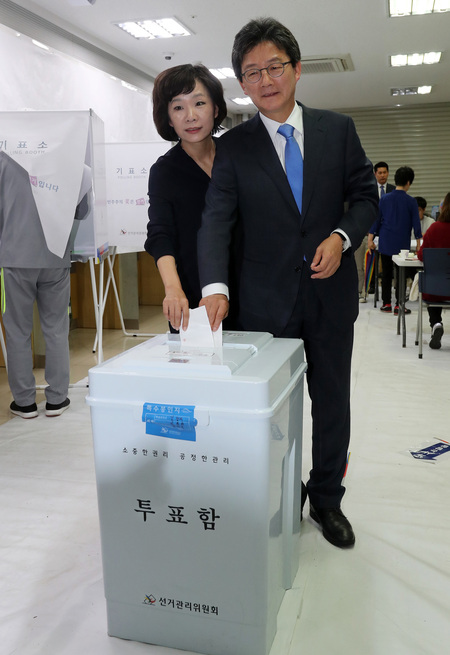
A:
x: 434, y: 279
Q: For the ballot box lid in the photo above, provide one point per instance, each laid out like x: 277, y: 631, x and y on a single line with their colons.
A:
x: 246, y: 359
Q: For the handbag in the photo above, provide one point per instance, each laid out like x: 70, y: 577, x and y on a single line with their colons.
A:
x: 414, y: 291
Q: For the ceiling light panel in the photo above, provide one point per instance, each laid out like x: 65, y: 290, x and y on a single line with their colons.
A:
x: 417, y: 7
x: 39, y: 44
x: 222, y: 73
x: 81, y: 3
x: 416, y: 59
x: 399, y: 60
x: 242, y: 101
x: 162, y: 28
x: 216, y: 72
x: 411, y: 91
x: 422, y: 6
x: 228, y: 72
x: 432, y: 57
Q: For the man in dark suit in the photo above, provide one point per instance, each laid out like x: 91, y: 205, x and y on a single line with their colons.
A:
x: 381, y: 172
x: 297, y: 275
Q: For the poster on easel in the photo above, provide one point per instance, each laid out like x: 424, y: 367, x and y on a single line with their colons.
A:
x: 127, y: 170
x: 62, y: 154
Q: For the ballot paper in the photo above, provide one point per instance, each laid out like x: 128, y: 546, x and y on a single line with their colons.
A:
x: 199, y: 333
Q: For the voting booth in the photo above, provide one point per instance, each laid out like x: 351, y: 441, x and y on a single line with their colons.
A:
x: 64, y: 155
x: 198, y: 467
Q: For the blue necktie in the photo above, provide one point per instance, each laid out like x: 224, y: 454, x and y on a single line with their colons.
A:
x: 294, y: 163
x: 382, y: 191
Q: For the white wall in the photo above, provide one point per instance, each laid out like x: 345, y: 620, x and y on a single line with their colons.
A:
x: 38, y: 79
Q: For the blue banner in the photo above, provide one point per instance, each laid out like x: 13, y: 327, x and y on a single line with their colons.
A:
x: 431, y: 452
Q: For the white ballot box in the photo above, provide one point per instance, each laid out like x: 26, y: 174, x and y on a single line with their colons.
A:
x: 198, y: 466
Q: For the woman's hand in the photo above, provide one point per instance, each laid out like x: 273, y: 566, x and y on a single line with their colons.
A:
x: 175, y: 304
x: 176, y: 308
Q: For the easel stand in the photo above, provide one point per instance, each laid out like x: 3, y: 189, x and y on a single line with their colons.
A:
x: 101, y: 307
x: 99, y: 304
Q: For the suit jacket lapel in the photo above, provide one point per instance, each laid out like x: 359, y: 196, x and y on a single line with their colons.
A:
x: 314, y: 143
x: 267, y: 158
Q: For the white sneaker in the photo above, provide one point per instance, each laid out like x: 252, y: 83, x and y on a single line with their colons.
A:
x: 436, y: 336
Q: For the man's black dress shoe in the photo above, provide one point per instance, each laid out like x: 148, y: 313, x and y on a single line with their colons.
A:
x: 335, y: 526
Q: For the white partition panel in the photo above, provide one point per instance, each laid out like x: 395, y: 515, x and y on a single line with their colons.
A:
x: 127, y: 170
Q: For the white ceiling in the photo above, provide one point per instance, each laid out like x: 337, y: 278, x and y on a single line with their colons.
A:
x: 360, y: 28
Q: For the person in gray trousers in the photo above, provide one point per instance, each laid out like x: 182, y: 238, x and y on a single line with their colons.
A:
x: 30, y: 272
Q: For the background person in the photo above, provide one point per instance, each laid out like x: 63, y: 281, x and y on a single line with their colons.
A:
x: 381, y: 172
x: 30, y: 272
x: 437, y: 236
x: 398, y: 214
x: 188, y: 107
x: 425, y: 220
x: 298, y: 277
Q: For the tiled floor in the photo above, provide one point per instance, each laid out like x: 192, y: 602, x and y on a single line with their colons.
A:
x: 388, y: 595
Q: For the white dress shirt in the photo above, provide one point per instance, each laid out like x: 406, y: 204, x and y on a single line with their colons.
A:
x: 278, y: 140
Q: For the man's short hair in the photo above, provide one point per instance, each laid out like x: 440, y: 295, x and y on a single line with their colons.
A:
x: 381, y: 164
x: 421, y: 202
x: 403, y: 175
x: 180, y: 80
x: 257, y: 31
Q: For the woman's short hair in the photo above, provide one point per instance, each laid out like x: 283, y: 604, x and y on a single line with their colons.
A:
x: 257, y: 31
x: 182, y: 79
x: 403, y: 175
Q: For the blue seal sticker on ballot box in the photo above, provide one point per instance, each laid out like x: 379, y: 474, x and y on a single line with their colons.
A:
x: 170, y: 421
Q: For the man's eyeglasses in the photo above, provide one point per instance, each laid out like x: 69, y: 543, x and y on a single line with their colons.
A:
x: 274, y: 70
